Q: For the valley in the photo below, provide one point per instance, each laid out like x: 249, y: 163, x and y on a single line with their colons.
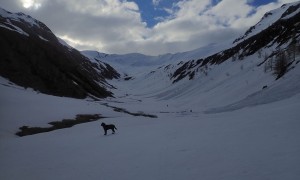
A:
x: 255, y: 142
x: 223, y: 111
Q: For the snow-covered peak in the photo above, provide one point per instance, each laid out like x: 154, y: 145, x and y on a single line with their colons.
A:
x: 64, y: 43
x: 20, y: 17
x: 284, y: 12
x: 94, y: 54
x: 135, y: 63
x: 25, y: 25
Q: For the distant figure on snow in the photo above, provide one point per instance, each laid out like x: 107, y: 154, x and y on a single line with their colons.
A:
x: 107, y: 127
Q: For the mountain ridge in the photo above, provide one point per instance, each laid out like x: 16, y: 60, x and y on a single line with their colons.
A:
x: 34, y: 57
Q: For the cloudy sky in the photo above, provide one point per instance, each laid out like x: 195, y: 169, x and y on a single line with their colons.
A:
x: 145, y: 26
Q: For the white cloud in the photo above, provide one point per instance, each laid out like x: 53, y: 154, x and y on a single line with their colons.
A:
x: 204, y: 22
x: 94, y: 24
x: 116, y: 26
x: 228, y: 11
x: 156, y: 2
x: 102, y: 8
x: 35, y: 4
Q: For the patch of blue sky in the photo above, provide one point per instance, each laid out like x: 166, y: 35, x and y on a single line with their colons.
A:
x: 154, y: 11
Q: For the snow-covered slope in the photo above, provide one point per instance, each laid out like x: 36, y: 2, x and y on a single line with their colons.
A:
x: 259, y: 142
x: 133, y: 63
x: 25, y: 25
x: 241, y: 71
x: 285, y: 12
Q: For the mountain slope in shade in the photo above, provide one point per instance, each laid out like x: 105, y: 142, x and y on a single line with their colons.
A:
x: 32, y: 56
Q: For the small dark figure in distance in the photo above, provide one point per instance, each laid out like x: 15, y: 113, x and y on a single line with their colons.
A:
x: 107, y: 127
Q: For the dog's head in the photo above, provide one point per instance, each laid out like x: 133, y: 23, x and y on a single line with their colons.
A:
x: 103, y: 124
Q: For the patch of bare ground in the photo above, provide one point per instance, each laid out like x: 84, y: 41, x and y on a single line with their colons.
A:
x: 65, y: 123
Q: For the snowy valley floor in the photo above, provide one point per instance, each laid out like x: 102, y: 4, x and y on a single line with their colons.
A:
x: 259, y: 142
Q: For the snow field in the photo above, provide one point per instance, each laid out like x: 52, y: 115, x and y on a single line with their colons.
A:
x: 236, y: 129
x: 260, y: 142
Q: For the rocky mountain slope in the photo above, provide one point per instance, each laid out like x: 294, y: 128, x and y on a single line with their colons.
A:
x: 32, y: 56
x: 278, y: 30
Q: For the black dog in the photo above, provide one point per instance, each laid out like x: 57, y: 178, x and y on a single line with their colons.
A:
x: 107, y: 127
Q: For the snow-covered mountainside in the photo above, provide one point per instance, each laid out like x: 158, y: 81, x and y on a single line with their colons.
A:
x: 226, y: 111
x: 32, y: 56
x: 259, y: 142
x: 285, y: 12
x: 233, y: 71
x: 132, y: 63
